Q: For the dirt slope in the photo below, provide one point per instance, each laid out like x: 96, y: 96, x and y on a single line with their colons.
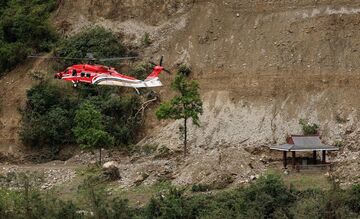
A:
x: 262, y: 65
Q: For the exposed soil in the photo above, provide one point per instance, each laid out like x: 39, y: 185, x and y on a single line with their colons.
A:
x: 262, y: 65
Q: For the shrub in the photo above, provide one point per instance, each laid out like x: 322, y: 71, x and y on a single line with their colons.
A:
x: 339, y: 143
x: 173, y: 204
x: 96, y: 199
x: 28, y: 202
x: 97, y: 40
x: 146, y: 41
x: 353, y: 200
x: 309, y: 128
x: 141, y: 71
x: 24, y: 24
x: 200, y: 188
x: 47, y: 118
x: 185, y: 70
x: 265, y: 196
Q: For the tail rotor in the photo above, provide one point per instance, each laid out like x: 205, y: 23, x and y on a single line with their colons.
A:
x: 160, y: 64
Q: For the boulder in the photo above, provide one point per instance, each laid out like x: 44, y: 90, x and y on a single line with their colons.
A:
x: 111, y: 171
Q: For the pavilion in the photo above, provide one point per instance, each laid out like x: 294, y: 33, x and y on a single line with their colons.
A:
x: 301, y: 143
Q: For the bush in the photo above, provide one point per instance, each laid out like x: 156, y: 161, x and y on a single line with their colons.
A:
x: 265, y: 198
x: 200, y: 188
x: 173, y: 204
x: 96, y: 199
x: 309, y: 128
x: 102, y: 43
x: 48, y: 117
x: 146, y: 41
x: 184, y: 70
x: 24, y: 24
x: 353, y: 200
x: 141, y: 71
x: 28, y: 202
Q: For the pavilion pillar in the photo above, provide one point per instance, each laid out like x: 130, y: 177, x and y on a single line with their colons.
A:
x: 285, y: 159
x: 314, y: 156
x: 324, y: 157
x: 293, y: 159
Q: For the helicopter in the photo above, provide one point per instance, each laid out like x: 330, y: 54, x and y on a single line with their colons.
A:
x: 104, y: 75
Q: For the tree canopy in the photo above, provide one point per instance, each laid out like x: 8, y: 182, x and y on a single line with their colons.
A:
x: 186, y: 105
x: 24, y: 28
x: 89, y: 129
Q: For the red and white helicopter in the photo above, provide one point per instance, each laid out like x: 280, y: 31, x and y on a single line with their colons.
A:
x: 104, y: 75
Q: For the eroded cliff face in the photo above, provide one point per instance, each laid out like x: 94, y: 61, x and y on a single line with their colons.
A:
x: 262, y: 65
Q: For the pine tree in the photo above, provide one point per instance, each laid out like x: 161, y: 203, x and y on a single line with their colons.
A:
x: 187, y: 104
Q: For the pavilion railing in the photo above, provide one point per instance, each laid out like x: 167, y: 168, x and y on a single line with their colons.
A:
x: 320, y: 166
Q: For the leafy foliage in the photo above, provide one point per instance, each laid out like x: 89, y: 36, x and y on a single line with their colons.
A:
x: 173, y: 204
x: 146, y: 41
x: 24, y: 28
x: 309, y: 128
x: 49, y: 116
x: 89, y: 129
x: 141, y: 71
x: 187, y: 104
x: 267, y: 197
x: 96, y: 40
x: 28, y: 202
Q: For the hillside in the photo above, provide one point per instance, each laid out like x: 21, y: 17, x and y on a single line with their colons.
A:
x: 262, y: 66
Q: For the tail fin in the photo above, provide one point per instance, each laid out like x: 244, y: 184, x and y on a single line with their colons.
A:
x: 155, y: 73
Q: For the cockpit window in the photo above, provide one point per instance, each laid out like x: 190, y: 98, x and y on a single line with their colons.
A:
x: 73, y: 72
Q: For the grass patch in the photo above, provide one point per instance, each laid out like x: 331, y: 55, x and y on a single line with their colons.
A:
x: 142, y: 194
x: 304, y: 180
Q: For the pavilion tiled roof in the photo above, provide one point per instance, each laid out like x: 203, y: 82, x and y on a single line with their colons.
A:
x: 304, y: 143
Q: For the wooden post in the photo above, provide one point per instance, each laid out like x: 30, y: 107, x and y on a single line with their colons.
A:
x: 285, y: 159
x: 293, y: 159
x: 324, y: 157
x: 314, y: 156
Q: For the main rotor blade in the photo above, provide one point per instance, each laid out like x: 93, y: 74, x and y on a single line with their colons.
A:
x: 161, y: 60
x: 118, y: 58
x: 65, y: 58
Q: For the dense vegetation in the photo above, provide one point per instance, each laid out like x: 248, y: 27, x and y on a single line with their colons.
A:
x: 52, y: 116
x: 89, y: 129
x: 268, y: 197
x: 102, y: 43
x: 24, y: 28
x: 49, y: 115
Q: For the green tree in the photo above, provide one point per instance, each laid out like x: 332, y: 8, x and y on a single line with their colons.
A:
x: 97, y: 40
x: 187, y: 104
x: 47, y: 118
x: 24, y: 28
x: 89, y: 129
